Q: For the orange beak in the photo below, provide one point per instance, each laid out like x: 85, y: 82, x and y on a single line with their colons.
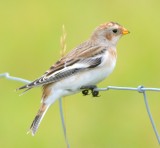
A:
x: 125, y: 31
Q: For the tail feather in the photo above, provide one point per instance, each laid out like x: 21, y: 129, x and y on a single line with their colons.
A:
x: 37, y: 120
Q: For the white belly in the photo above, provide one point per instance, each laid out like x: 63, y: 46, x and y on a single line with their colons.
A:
x: 72, y: 84
x: 90, y: 77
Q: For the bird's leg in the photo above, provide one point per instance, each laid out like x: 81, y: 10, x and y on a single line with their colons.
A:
x: 90, y: 87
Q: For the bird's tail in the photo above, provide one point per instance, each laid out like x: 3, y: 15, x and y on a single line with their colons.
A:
x: 37, y: 120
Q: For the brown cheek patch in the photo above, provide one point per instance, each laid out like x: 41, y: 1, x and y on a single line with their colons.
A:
x: 109, y: 37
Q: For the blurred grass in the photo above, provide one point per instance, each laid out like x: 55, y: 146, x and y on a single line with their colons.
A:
x: 29, y: 43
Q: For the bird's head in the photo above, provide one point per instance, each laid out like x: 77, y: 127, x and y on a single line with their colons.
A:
x: 109, y: 33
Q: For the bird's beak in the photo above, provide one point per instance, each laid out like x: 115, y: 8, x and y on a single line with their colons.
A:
x: 125, y: 31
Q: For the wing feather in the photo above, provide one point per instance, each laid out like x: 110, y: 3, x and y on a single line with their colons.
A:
x: 79, y: 59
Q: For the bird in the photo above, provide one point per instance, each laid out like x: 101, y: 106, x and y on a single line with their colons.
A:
x: 81, y: 69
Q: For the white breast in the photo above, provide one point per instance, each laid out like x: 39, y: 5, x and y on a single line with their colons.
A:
x: 72, y: 84
x: 89, y: 77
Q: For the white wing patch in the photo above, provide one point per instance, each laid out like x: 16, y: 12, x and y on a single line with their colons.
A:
x: 67, y: 71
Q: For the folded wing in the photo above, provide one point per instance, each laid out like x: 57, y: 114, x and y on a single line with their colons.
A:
x: 64, y: 72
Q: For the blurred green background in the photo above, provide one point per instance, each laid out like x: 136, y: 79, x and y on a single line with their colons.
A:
x: 30, y: 31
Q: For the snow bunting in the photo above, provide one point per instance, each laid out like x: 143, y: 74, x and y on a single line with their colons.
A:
x: 82, y: 68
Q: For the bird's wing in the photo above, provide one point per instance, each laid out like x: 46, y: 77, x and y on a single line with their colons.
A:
x: 77, y: 60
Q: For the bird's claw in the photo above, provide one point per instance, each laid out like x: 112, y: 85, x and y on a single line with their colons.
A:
x: 85, y: 92
x: 93, y: 92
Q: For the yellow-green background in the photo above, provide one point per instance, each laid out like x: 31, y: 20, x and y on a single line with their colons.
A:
x: 29, y: 43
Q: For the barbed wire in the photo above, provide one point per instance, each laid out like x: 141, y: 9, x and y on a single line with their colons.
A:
x: 140, y: 89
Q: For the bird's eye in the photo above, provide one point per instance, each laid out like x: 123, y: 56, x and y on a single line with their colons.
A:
x: 115, y: 30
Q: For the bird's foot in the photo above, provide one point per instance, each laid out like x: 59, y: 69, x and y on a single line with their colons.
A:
x: 85, y: 90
